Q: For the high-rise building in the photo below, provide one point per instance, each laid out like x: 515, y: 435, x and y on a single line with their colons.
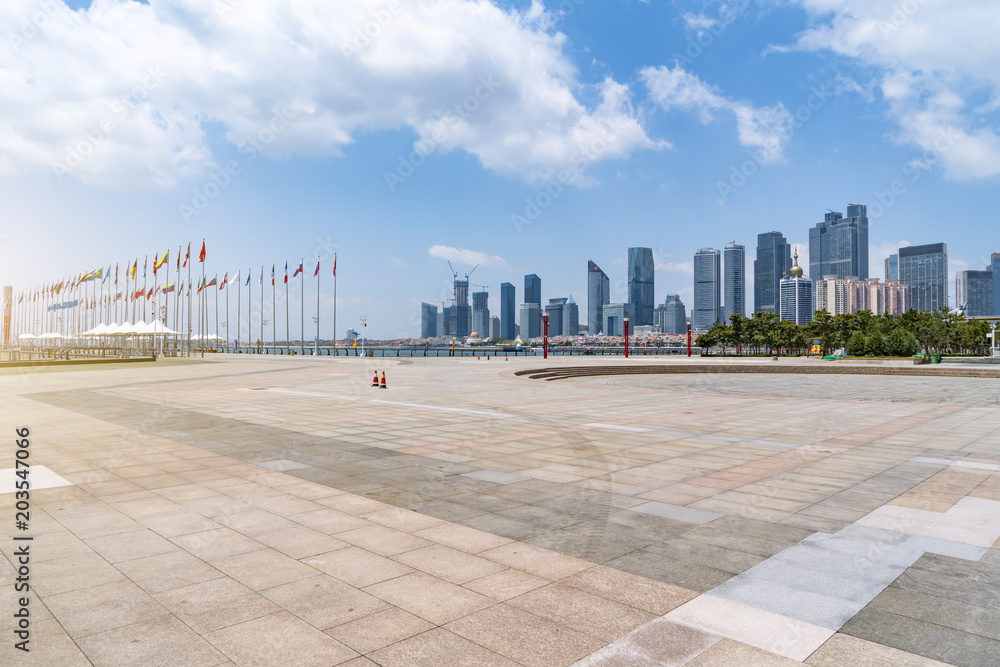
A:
x: 734, y: 265
x: 892, y: 267
x: 571, y: 318
x: 796, y: 291
x: 428, y: 320
x: 774, y: 261
x: 555, y: 311
x: 838, y: 246
x: 839, y: 296
x: 995, y: 265
x: 924, y: 269
x: 531, y: 321
x: 448, y: 321
x: 640, y: 284
x: 598, y: 294
x: 533, y: 289
x: 614, y: 318
x: 508, y: 312
x: 460, y: 322
x: 886, y: 298
x: 674, y: 316
x: 495, y: 327
x: 974, y: 292
x: 707, y: 308
x: 481, y: 313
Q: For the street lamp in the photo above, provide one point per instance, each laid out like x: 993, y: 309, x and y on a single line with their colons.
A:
x: 545, y: 334
x: 364, y: 328
x: 626, y: 337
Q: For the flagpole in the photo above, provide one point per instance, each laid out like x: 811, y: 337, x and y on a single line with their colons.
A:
x: 334, y: 304
x: 316, y: 344
x: 274, y: 316
x: 239, y: 314
x: 302, y: 308
x: 260, y: 341
x: 216, y: 341
x: 288, y: 336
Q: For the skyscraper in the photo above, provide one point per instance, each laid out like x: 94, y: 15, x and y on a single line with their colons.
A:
x: 974, y: 292
x: 838, y: 246
x: 461, y: 313
x: 555, y: 311
x: 614, y: 318
x: 640, y: 285
x: 892, y: 267
x: 774, y: 261
x: 707, y: 290
x: 674, y: 316
x: 797, y: 295
x: 481, y: 313
x: 428, y: 320
x: 494, y: 327
x: 531, y: 321
x: 995, y: 265
x: 571, y: 318
x: 508, y: 313
x: 734, y: 265
x: 598, y: 294
x: 533, y: 289
x: 924, y: 269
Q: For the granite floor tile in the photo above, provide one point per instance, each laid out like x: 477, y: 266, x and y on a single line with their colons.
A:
x: 357, y: 567
x: 438, y: 647
x: 163, y: 641
x: 215, y: 604
x: 432, y: 599
x: 279, y: 639
x: 324, y: 602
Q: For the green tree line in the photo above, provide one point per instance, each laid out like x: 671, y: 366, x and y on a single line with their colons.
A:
x: 859, y: 334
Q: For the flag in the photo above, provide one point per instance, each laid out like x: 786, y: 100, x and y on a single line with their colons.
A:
x: 132, y: 272
x: 250, y: 274
x: 116, y: 274
x: 107, y: 275
x: 201, y: 255
x: 138, y: 293
x: 59, y: 287
x: 235, y: 278
x: 298, y: 270
x: 272, y: 275
x: 286, y: 273
x: 168, y: 289
x: 156, y: 262
x: 211, y: 283
x: 334, y: 265
x: 261, y: 277
x: 144, y: 261
x: 225, y: 279
x: 162, y: 261
x: 186, y: 256
x: 149, y: 293
x: 316, y: 272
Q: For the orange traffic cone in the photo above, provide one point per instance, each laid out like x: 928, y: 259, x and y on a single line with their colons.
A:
x: 375, y: 380
x: 383, y: 381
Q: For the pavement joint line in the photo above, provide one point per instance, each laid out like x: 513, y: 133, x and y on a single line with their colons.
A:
x: 958, y: 463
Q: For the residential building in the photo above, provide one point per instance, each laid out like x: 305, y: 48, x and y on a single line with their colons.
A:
x: 508, y: 312
x: 797, y: 295
x: 774, y: 261
x: 924, y: 269
x: 707, y: 308
x: 640, y: 284
x: 734, y: 266
x: 839, y: 296
x: 889, y: 297
x: 428, y: 320
x: 598, y: 294
x: 839, y: 246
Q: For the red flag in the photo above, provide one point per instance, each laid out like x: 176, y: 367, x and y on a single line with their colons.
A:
x: 225, y: 279
x: 187, y: 255
x: 201, y: 255
x: 334, y: 265
x: 156, y: 262
x: 286, y: 273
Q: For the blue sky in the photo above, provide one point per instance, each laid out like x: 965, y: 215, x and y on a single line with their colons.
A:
x: 634, y: 114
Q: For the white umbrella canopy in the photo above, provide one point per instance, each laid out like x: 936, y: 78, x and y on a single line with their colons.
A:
x: 99, y: 330
x: 161, y: 329
x: 27, y: 336
x: 51, y: 336
x: 113, y: 330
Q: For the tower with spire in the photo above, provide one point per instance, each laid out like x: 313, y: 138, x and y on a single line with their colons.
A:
x: 797, y: 293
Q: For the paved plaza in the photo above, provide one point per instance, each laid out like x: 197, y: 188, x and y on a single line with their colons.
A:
x: 282, y: 511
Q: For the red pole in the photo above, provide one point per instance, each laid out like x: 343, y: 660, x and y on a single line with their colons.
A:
x: 689, y: 339
x: 545, y: 335
x: 626, y: 338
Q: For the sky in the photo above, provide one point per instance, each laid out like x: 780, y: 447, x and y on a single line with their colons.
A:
x: 519, y: 136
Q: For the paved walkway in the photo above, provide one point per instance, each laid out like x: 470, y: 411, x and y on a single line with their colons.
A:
x: 282, y: 511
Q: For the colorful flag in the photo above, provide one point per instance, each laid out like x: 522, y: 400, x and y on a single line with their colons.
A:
x: 211, y: 283
x: 334, y: 265
x: 156, y: 262
x: 201, y: 255
x: 286, y: 273
x: 162, y: 261
x: 186, y: 256
x: 235, y: 278
x: 145, y: 260
x: 107, y: 275
x: 316, y: 272
x: 225, y: 280
x: 272, y: 275
x: 298, y: 270
x: 168, y: 289
x: 132, y: 272
x: 116, y: 274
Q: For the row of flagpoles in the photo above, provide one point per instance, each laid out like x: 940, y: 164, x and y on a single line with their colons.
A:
x: 65, y: 309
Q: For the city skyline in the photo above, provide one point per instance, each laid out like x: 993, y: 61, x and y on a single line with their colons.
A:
x: 265, y: 179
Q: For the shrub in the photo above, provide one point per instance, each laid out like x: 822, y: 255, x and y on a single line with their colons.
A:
x: 901, y: 343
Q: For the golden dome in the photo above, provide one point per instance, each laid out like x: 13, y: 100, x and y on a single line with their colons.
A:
x: 796, y: 271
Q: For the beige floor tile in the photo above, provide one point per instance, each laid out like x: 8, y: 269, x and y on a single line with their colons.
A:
x: 429, y: 598
x: 596, y: 616
x: 262, y: 569
x: 163, y: 642
x: 382, y: 540
x: 533, y: 560
x: 638, y: 592
x: 279, y: 639
x: 168, y: 571
x: 70, y: 573
x: 357, y: 567
x: 506, y: 584
x: 449, y: 564
x: 301, y: 542
x: 215, y: 604
x: 330, y: 521
x: 131, y: 545
x: 401, y: 519
x: 462, y: 538
x: 216, y: 543
x: 48, y: 645
x: 843, y: 649
x: 91, y: 610
x: 324, y: 602
x: 436, y: 648
x: 380, y: 629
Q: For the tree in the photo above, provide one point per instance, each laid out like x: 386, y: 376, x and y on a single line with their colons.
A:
x: 901, y: 343
x: 857, y: 345
x: 822, y: 328
x: 875, y: 344
x: 738, y: 330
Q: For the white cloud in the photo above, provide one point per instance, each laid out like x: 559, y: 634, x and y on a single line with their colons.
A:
x: 464, y: 74
x: 470, y: 257
x: 765, y: 128
x: 934, y: 63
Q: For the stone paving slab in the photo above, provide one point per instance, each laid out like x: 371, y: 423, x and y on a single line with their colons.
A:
x: 497, y: 520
